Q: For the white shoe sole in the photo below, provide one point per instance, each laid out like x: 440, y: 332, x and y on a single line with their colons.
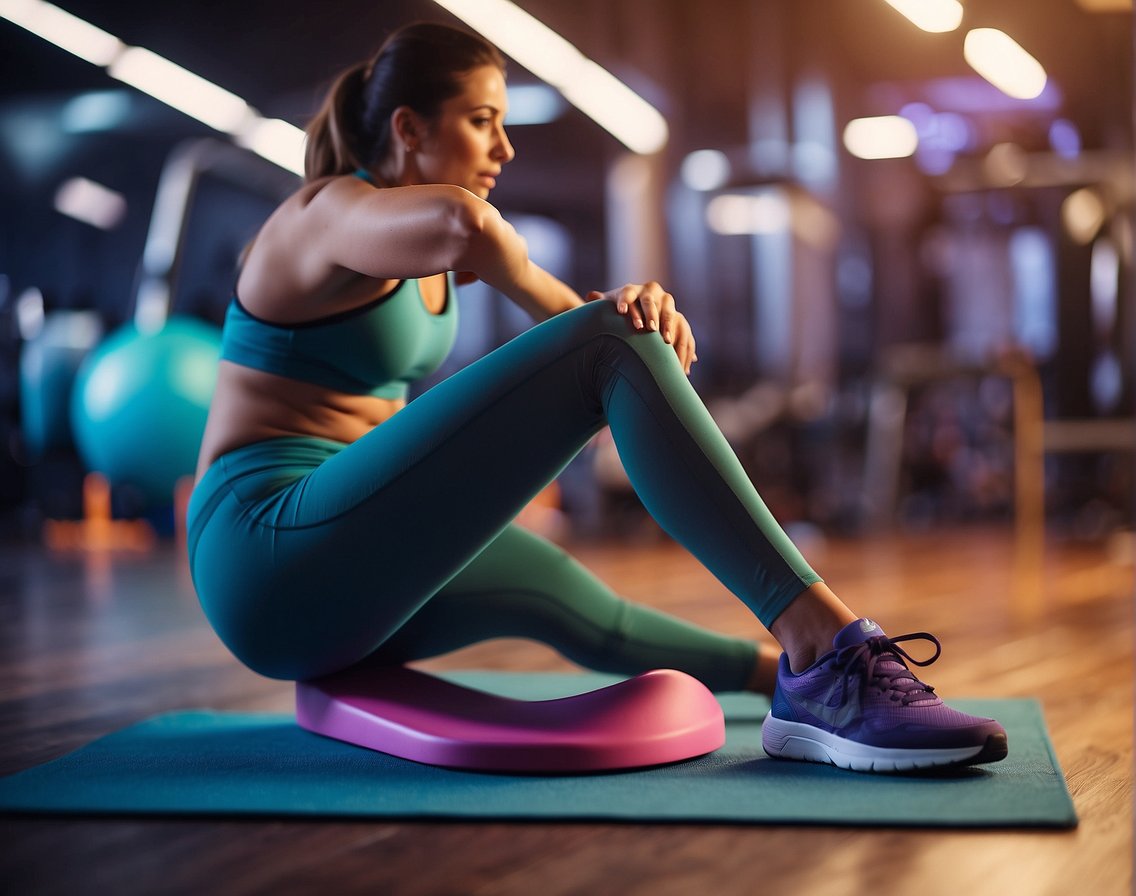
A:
x: 794, y: 740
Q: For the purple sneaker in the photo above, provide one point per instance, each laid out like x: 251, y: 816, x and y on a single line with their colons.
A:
x: 860, y: 707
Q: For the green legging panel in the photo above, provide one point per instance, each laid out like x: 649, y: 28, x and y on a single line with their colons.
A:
x: 521, y: 586
x: 309, y: 555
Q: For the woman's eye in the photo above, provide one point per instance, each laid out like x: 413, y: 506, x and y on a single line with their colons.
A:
x: 482, y: 122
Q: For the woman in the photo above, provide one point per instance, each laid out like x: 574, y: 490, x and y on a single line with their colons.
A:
x: 333, y: 524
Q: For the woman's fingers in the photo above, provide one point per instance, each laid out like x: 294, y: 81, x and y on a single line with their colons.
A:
x: 648, y: 306
x: 668, y: 316
x: 626, y: 302
x: 658, y: 309
x: 684, y: 343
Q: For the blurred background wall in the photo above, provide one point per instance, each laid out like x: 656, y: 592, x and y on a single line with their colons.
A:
x: 865, y: 325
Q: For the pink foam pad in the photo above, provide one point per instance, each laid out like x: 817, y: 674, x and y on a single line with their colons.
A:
x: 659, y: 716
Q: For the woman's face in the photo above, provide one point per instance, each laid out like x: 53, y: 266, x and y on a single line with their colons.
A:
x: 465, y: 144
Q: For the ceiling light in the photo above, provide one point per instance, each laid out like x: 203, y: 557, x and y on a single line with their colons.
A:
x: 930, y: 15
x: 276, y: 140
x: 616, y: 108
x: 180, y: 88
x: 748, y: 213
x: 881, y: 137
x: 705, y: 169
x: 63, y: 29
x: 89, y: 202
x: 1083, y: 214
x: 1001, y: 61
x: 596, y: 92
x: 590, y: 88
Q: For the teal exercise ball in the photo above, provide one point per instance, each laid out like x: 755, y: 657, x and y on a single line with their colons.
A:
x: 139, y: 404
x: 49, y: 363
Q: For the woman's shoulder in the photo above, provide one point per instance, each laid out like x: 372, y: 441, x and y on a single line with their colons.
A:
x: 293, y: 259
x: 325, y: 199
x: 324, y: 191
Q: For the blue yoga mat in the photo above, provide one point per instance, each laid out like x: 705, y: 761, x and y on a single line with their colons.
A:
x: 220, y: 763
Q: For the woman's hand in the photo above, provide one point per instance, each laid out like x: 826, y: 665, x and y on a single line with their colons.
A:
x: 649, y: 306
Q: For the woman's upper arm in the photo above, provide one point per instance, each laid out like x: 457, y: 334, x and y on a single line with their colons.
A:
x: 400, y: 233
x: 394, y: 233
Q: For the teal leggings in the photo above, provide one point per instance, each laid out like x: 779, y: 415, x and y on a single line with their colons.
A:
x: 311, y: 556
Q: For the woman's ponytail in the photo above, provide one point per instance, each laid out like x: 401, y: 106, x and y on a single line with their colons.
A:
x: 335, y: 143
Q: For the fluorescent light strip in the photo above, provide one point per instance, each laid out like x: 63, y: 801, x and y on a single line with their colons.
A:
x: 881, y: 137
x: 935, y: 16
x: 590, y: 88
x: 1002, y: 61
x: 275, y: 140
x: 63, y: 29
x: 182, y: 89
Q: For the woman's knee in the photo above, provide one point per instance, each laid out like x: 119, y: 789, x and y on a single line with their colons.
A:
x: 603, y: 320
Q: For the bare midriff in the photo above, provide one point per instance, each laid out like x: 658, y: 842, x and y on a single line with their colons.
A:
x: 251, y: 406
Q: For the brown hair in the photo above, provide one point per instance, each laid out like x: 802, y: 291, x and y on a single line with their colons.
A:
x: 419, y: 66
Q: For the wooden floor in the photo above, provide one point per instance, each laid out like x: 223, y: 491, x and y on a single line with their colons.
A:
x: 91, y: 643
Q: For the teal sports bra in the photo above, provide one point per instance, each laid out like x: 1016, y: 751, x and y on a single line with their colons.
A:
x: 376, y: 349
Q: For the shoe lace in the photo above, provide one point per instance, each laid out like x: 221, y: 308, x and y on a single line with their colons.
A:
x: 885, y: 668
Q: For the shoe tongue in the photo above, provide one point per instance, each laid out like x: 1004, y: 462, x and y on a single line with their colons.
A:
x: 857, y: 633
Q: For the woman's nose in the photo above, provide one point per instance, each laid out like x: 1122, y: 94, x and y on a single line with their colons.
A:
x: 504, y: 149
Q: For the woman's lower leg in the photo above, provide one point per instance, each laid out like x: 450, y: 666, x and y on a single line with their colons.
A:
x: 806, y: 627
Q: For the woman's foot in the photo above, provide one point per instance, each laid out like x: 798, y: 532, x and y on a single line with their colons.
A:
x: 859, y: 707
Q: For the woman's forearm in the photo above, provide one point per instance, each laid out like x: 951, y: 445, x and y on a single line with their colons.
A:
x: 544, y: 295
x: 499, y: 256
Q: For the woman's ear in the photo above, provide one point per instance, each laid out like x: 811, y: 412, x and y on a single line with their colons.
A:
x: 408, y: 129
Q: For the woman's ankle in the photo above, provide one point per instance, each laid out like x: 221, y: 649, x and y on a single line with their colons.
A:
x: 806, y: 627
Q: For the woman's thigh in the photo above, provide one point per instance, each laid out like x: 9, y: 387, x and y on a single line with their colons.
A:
x: 316, y: 574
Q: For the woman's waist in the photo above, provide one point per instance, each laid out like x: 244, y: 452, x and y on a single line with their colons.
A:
x: 250, y: 406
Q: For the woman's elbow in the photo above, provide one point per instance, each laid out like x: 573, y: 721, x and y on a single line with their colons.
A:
x: 468, y: 216
x: 479, y: 231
